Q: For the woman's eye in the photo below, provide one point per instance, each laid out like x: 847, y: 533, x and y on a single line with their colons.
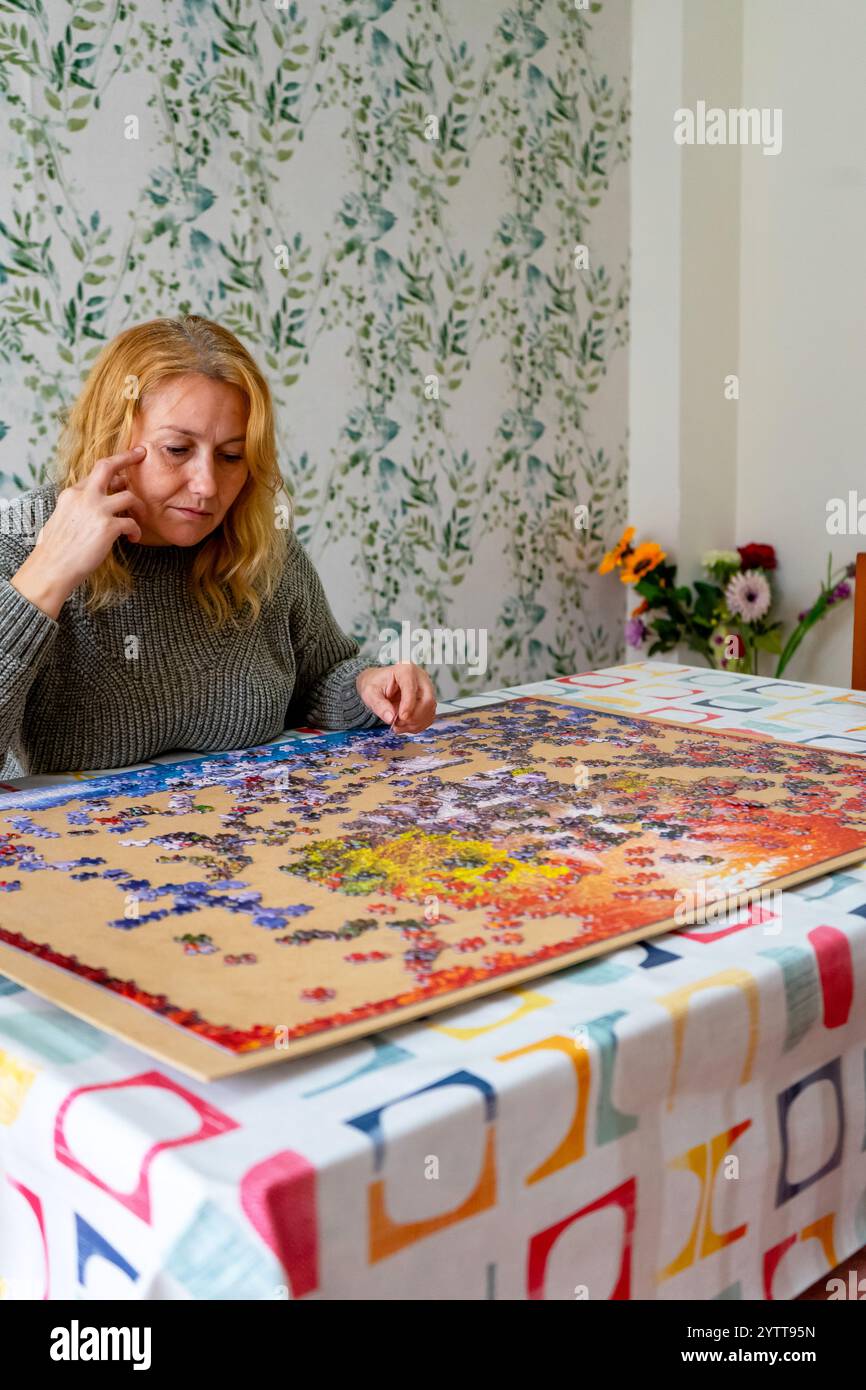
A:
x: 176, y: 451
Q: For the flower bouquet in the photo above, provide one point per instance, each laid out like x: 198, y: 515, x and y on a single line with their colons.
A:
x: 728, y: 618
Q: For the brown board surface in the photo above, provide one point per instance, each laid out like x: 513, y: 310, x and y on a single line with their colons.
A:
x: 234, y: 911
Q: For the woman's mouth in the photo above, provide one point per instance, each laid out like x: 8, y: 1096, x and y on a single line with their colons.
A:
x: 191, y: 511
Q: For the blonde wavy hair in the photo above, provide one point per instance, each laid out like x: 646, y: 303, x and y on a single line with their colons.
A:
x: 239, y: 566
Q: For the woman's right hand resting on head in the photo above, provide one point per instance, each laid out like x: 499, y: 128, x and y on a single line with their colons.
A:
x: 78, y: 535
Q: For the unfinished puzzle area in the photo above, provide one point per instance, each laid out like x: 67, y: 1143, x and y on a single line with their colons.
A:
x: 321, y: 888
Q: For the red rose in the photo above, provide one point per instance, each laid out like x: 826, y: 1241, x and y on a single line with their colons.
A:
x: 757, y: 557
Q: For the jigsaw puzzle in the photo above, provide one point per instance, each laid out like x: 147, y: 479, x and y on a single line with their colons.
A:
x: 234, y: 910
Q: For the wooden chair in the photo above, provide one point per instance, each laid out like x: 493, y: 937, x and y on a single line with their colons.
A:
x: 858, y: 656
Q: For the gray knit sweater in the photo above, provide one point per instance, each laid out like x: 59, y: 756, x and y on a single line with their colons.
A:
x: 149, y: 674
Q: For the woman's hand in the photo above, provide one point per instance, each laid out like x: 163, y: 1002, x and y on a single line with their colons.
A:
x: 404, y: 690
x: 87, y: 520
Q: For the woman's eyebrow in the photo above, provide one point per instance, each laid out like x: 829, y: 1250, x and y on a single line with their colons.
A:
x: 181, y: 429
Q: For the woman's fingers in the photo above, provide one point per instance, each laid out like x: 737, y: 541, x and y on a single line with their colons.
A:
x: 418, y: 698
x: 122, y: 501
x: 380, y: 706
x: 128, y: 526
x: 104, y: 470
x: 421, y: 717
x: 400, y: 688
x: 409, y: 692
x: 425, y: 710
x: 402, y: 696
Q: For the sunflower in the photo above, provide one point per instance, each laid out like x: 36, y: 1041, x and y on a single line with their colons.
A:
x: 641, y: 560
x: 621, y: 551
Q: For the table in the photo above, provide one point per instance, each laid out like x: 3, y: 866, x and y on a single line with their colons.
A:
x: 679, y: 1119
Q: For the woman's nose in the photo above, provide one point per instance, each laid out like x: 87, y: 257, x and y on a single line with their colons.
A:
x: 202, y: 477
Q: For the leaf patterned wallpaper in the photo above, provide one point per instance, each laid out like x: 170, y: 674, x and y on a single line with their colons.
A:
x: 385, y: 201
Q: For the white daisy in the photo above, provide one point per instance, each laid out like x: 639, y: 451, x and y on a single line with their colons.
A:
x: 748, y: 595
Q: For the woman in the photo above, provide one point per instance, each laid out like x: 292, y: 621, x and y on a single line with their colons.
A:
x: 164, y: 604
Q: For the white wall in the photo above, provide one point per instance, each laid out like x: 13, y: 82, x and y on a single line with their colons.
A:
x: 802, y: 414
x: 710, y: 271
x: 685, y: 284
x: 656, y: 250
x: 751, y: 263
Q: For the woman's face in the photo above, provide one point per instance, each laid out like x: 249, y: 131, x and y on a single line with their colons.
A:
x: 194, y: 430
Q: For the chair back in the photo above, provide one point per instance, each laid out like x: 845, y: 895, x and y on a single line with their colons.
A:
x: 858, y: 653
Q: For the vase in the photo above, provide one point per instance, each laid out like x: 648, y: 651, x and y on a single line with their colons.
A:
x: 721, y: 643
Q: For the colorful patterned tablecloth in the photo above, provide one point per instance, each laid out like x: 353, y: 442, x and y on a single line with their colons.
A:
x: 680, y: 1119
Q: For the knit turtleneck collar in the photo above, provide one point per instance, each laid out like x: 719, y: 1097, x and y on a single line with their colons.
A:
x: 150, y: 561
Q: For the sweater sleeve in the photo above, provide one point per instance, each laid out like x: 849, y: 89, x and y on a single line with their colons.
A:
x: 327, y: 661
x: 26, y: 638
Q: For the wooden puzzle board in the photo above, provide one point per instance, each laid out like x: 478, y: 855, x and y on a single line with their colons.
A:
x: 229, y: 912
